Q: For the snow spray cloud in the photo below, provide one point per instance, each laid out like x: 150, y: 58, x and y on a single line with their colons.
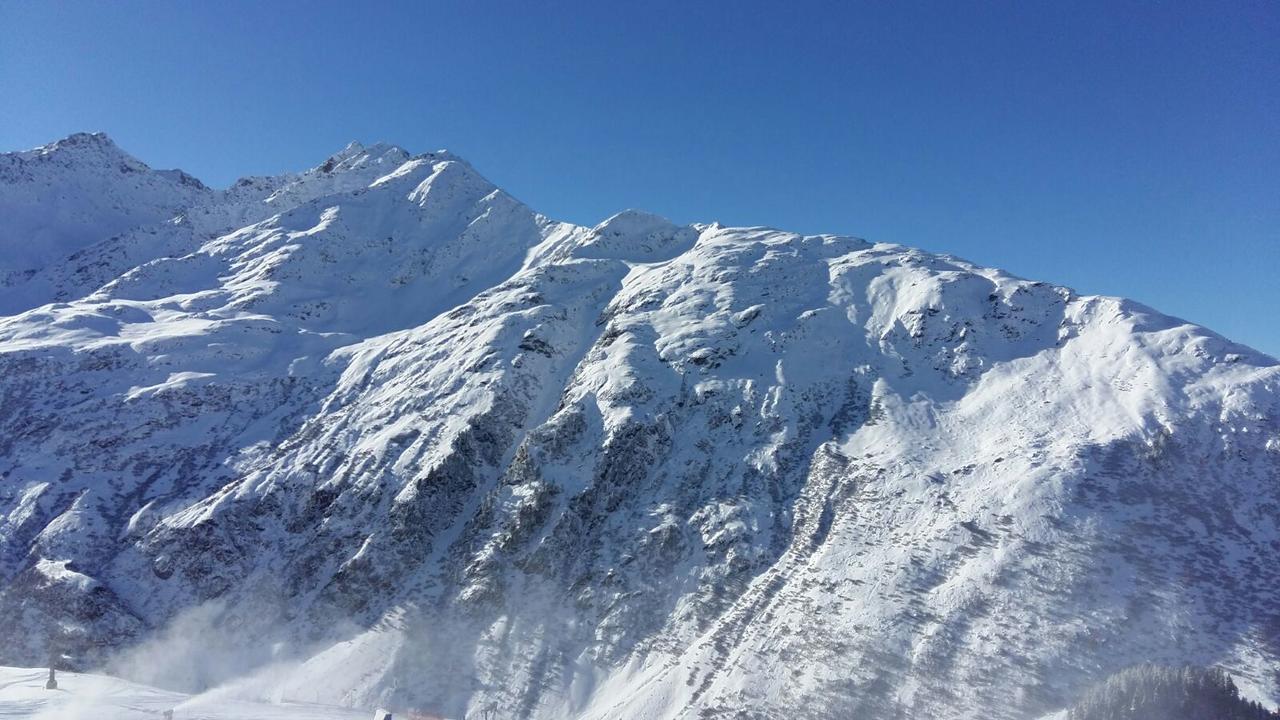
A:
x: 204, y: 651
x: 193, y: 653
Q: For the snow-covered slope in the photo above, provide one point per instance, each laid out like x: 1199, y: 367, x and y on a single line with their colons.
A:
x: 80, y: 211
x: 61, y: 198
x: 96, y: 697
x: 385, y: 420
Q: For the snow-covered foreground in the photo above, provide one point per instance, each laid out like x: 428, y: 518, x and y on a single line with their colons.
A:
x: 99, y: 697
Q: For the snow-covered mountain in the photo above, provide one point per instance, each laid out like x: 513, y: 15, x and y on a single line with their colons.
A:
x: 382, y: 419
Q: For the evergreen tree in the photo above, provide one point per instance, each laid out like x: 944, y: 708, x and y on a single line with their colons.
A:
x: 1153, y: 692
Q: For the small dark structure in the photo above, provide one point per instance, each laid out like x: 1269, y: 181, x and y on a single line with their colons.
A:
x: 52, y: 682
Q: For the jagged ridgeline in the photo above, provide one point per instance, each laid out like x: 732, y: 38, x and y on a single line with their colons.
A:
x: 1152, y: 692
x: 383, y: 426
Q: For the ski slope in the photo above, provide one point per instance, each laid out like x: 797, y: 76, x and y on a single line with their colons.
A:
x: 83, y: 696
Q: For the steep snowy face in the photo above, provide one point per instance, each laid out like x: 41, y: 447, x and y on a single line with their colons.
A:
x: 449, y: 454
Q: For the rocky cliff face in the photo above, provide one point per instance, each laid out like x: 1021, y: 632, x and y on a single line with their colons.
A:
x: 383, y: 420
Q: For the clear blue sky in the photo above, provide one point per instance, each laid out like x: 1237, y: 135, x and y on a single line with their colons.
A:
x: 1126, y: 148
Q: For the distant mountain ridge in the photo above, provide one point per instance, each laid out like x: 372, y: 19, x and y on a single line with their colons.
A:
x: 381, y: 420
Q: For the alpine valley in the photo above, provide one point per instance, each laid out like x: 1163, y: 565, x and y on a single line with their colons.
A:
x: 382, y: 430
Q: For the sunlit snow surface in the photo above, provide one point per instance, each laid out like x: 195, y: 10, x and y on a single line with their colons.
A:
x: 382, y: 420
x: 99, y: 697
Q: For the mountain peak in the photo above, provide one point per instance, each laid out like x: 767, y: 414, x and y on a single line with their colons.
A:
x: 356, y: 154
x: 101, y: 190
x: 85, y: 138
x: 76, y: 144
x: 637, y: 236
x: 630, y: 222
